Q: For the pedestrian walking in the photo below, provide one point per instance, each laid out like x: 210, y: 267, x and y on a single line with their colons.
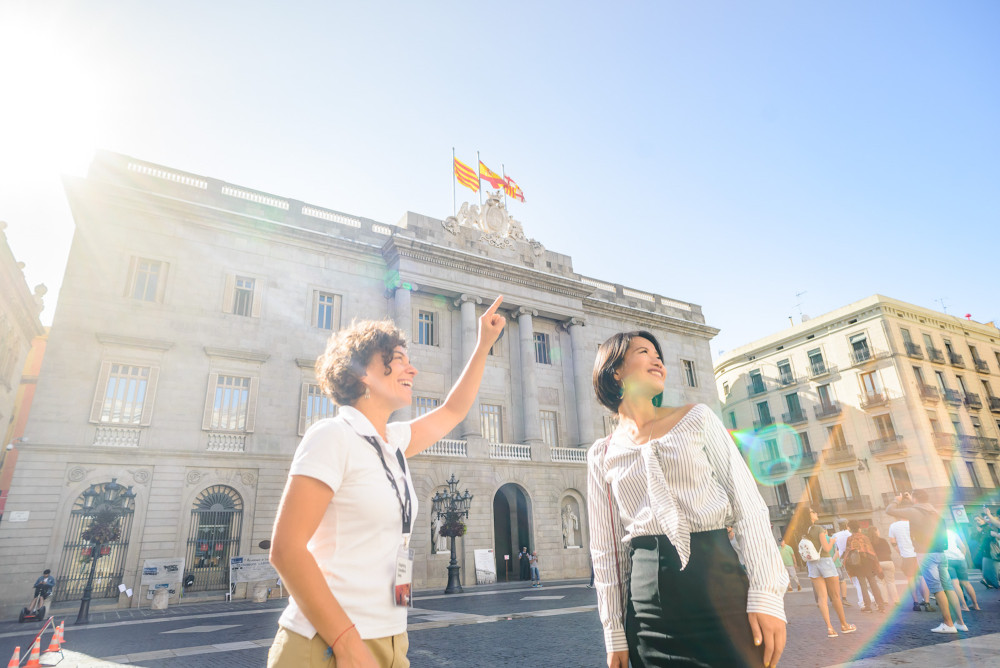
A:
x: 884, y: 554
x: 899, y: 537
x: 816, y: 548
x: 988, y: 555
x: 863, y: 565
x: 841, y: 539
x: 524, y: 564
x: 675, y: 479
x: 930, y: 541
x: 957, y: 553
x: 341, y: 538
x: 788, y: 557
x: 536, y: 579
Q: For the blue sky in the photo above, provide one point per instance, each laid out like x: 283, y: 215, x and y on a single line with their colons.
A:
x: 729, y: 154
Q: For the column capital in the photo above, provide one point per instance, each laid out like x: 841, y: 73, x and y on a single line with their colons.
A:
x: 463, y: 298
x: 572, y: 322
x: 398, y: 284
x: 524, y: 310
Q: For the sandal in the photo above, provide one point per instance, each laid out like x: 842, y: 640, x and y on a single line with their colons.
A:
x: 851, y: 628
x: 830, y: 633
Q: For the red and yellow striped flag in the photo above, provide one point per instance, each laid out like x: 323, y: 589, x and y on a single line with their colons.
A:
x: 488, y: 175
x: 512, y: 189
x: 466, y: 176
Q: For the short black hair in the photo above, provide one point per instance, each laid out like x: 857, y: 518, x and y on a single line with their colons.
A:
x: 46, y: 572
x: 610, y: 356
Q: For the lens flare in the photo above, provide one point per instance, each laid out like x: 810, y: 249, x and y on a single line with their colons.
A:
x: 773, y: 454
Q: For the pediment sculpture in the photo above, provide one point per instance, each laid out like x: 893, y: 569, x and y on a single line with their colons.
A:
x: 497, y: 227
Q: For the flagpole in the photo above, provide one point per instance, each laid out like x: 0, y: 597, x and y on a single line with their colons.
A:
x: 479, y: 175
x: 454, y: 210
x: 503, y: 173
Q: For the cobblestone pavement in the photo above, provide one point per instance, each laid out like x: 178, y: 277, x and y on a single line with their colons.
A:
x: 506, y: 625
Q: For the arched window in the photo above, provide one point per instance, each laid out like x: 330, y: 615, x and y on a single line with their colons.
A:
x: 214, y: 537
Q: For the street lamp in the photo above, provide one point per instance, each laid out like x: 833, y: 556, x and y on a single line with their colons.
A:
x: 105, y: 508
x: 450, y: 507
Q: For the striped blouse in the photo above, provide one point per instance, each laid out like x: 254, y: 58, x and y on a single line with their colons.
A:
x: 689, y: 480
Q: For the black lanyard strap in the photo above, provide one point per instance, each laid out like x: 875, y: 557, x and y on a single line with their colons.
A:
x: 405, y: 507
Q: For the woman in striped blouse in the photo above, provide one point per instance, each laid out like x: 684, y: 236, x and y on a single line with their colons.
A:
x: 662, y: 488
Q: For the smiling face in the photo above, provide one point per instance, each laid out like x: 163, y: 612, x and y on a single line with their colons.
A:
x: 641, y: 372
x: 394, y: 389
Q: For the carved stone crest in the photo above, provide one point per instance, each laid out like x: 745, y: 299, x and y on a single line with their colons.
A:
x: 498, y: 228
x: 76, y: 474
x: 193, y: 477
x: 140, y: 476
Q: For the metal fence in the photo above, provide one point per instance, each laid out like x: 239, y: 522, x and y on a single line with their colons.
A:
x: 214, y: 537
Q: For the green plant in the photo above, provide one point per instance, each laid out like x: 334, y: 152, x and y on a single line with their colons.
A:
x: 104, y: 528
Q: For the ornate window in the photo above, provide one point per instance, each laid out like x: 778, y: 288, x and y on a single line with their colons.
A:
x: 214, y: 537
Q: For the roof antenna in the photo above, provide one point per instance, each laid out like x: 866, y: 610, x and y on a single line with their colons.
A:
x: 944, y: 306
x: 798, y: 306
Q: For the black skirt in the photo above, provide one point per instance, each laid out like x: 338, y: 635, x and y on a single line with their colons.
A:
x: 695, y: 617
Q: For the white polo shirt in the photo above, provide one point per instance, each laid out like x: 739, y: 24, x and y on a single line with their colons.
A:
x: 900, y: 531
x: 357, y: 540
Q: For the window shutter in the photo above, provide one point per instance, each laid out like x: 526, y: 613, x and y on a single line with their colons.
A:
x: 102, y: 386
x: 258, y: 297
x: 303, y: 400
x: 147, y: 403
x: 337, y: 305
x: 314, y: 318
x: 130, y: 280
x: 227, y: 293
x: 252, y: 405
x: 213, y: 381
x: 161, y: 287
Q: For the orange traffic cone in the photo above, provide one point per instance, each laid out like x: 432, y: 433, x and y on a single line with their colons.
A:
x: 36, y: 651
x: 15, y: 660
x: 54, y: 643
x: 62, y: 633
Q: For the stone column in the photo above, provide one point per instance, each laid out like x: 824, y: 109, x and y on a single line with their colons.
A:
x: 583, y: 364
x: 529, y: 383
x: 470, y: 426
x: 402, y: 315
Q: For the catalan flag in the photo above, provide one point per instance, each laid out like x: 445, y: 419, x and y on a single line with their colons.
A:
x: 512, y: 189
x: 488, y: 175
x: 466, y: 176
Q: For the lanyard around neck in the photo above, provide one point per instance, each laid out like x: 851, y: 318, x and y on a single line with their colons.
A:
x: 405, y: 507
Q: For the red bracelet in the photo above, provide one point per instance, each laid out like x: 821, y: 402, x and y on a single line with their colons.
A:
x: 340, y: 636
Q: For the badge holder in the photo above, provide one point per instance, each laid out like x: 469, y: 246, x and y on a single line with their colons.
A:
x: 403, y: 582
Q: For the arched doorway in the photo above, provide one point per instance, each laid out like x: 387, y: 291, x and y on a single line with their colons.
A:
x: 214, y: 537
x: 74, y: 566
x: 511, y: 528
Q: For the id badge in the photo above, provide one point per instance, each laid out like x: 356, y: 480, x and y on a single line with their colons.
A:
x: 402, y: 586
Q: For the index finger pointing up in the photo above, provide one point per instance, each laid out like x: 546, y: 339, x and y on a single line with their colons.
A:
x: 494, y: 306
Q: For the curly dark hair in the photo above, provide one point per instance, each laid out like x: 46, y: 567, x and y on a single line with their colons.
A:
x: 348, y: 352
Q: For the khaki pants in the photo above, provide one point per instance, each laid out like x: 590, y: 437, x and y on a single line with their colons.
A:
x: 291, y: 650
x: 888, y: 586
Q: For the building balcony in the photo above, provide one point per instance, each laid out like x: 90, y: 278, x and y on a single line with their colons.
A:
x: 956, y: 360
x: 786, y: 380
x: 994, y: 404
x: 945, y: 443
x: 512, y: 451
x: 826, y: 411
x: 794, y: 417
x: 568, y: 455
x: 981, y: 365
x: 770, y: 468
x: 755, y: 390
x: 227, y: 441
x: 448, y: 447
x: 839, y: 455
x: 990, y: 447
x: 846, y: 504
x: 890, y: 445
x: 929, y: 394
x: 935, y: 354
x: 953, y: 397
x: 913, y: 350
x: 873, y: 399
x: 973, y: 401
x: 807, y: 460
x: 118, y: 437
x: 763, y: 422
x: 866, y: 355
x: 781, y: 511
x: 818, y: 369
x: 969, y: 445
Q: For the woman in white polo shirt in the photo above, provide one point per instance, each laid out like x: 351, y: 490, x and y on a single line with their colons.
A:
x: 345, y: 515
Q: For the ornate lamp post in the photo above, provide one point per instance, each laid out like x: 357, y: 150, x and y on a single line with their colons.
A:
x: 105, y: 508
x: 450, y: 507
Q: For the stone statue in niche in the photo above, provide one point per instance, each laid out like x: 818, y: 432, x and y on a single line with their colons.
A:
x: 439, y: 543
x: 570, y: 523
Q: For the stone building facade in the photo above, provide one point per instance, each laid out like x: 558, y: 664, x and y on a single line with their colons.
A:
x: 878, y: 397
x: 19, y: 325
x: 180, y: 363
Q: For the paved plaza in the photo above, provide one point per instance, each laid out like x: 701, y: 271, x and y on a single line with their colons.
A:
x: 504, y: 625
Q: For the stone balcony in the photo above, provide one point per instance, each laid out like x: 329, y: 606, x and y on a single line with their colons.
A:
x: 846, y: 504
x: 994, y: 404
x: 826, y: 411
x: 781, y: 511
x: 872, y: 399
x: 890, y: 445
x: 118, y: 437
x: 839, y: 455
x: 935, y: 354
x: 795, y: 417
x: 227, y: 441
x: 448, y: 447
x: 981, y: 365
x: 956, y: 360
x: 929, y: 394
x: 944, y: 442
x: 913, y: 350
x: 953, y: 397
x: 973, y: 401
x: 510, y: 451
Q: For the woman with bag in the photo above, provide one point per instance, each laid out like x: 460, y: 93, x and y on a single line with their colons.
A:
x: 341, y: 537
x: 661, y: 490
x: 862, y: 563
x: 823, y: 574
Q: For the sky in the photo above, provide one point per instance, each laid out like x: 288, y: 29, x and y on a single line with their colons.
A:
x: 758, y: 159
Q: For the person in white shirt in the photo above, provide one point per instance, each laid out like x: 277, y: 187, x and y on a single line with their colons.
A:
x: 958, y: 570
x: 661, y: 490
x: 341, y: 535
x: 899, y: 537
x: 840, y: 538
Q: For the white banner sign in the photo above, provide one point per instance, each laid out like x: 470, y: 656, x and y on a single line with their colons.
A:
x: 486, y: 567
x: 251, y: 568
x: 162, y: 571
